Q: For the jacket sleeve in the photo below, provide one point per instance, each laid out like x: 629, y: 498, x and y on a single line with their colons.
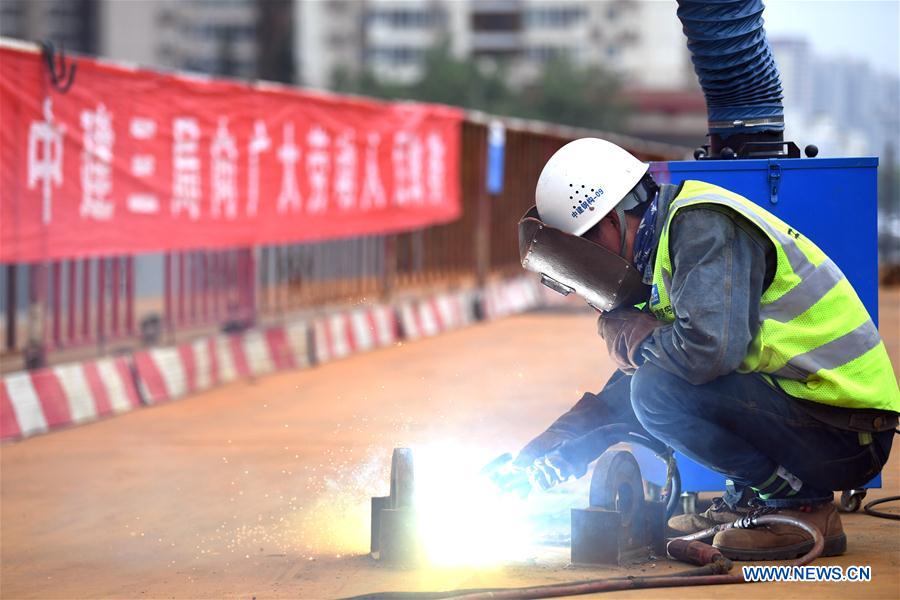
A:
x: 718, y: 272
x: 610, y: 405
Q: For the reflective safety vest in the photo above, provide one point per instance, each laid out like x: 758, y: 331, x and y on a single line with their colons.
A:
x: 815, y: 339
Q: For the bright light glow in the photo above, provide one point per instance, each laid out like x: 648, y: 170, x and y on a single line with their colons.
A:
x: 463, y: 519
x: 466, y: 520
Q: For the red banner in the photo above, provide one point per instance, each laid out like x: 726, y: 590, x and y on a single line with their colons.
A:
x: 131, y: 160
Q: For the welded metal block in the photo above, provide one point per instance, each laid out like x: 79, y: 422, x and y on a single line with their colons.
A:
x: 394, y: 530
x: 595, y: 536
x: 398, y: 539
x: 379, y: 503
x: 620, y: 527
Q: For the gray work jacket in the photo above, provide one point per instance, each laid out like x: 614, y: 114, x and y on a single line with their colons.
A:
x: 721, y: 266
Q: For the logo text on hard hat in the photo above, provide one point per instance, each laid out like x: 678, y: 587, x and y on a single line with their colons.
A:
x: 587, y: 204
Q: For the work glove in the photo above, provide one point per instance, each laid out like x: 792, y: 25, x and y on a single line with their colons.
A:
x: 543, y: 473
x: 551, y: 470
x: 539, y: 447
x: 624, y: 330
x: 515, y: 476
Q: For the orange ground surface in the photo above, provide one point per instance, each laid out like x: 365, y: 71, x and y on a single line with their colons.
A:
x: 260, y: 489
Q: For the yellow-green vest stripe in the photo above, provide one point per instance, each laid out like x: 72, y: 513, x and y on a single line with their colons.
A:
x: 815, y: 337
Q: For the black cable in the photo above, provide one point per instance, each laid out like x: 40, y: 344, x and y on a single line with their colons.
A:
x: 673, y: 475
x: 62, y: 72
x: 880, y: 514
x: 439, y: 595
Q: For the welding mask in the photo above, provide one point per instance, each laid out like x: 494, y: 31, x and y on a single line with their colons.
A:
x: 571, y: 264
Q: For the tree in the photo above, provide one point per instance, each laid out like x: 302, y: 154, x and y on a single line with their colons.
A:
x: 564, y: 93
x: 579, y: 96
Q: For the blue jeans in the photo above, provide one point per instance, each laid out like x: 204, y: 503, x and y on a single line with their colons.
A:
x: 743, y: 428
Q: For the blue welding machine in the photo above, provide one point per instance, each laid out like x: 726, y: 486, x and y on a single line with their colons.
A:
x: 833, y: 201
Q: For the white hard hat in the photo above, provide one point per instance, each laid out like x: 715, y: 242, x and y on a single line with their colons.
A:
x: 583, y: 181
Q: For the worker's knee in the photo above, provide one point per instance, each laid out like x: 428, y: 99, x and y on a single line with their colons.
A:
x: 654, y: 396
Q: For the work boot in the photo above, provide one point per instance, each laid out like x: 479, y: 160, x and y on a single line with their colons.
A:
x: 716, y: 514
x: 782, y: 542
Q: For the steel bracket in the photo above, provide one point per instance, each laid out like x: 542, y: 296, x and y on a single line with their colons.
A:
x: 620, y: 527
x: 394, y: 529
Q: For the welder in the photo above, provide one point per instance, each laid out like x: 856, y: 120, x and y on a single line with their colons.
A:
x: 751, y: 353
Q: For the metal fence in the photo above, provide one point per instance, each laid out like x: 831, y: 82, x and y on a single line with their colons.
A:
x: 82, y: 307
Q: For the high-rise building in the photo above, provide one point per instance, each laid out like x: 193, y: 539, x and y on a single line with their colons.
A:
x: 642, y: 41
x: 239, y: 38
x: 327, y: 40
x: 840, y: 104
x: 209, y: 36
x: 275, y: 41
x: 68, y: 24
x: 396, y: 35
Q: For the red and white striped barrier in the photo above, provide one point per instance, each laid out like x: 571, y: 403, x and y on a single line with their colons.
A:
x: 170, y: 373
x: 261, y: 351
x: 425, y: 318
x: 36, y: 401
x: 341, y: 334
x: 509, y: 297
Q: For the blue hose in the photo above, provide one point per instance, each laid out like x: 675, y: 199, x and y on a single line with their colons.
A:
x: 734, y: 63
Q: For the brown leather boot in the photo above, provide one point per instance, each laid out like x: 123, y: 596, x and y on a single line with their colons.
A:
x: 781, y: 542
x: 716, y: 514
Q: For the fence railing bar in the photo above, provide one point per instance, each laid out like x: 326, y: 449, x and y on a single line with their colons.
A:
x: 11, y: 306
x: 101, y: 300
x: 115, y: 289
x: 129, y: 296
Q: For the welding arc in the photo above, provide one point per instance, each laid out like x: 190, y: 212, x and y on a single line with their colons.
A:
x: 715, y: 573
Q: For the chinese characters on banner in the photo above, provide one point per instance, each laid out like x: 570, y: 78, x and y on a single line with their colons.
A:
x: 131, y: 161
